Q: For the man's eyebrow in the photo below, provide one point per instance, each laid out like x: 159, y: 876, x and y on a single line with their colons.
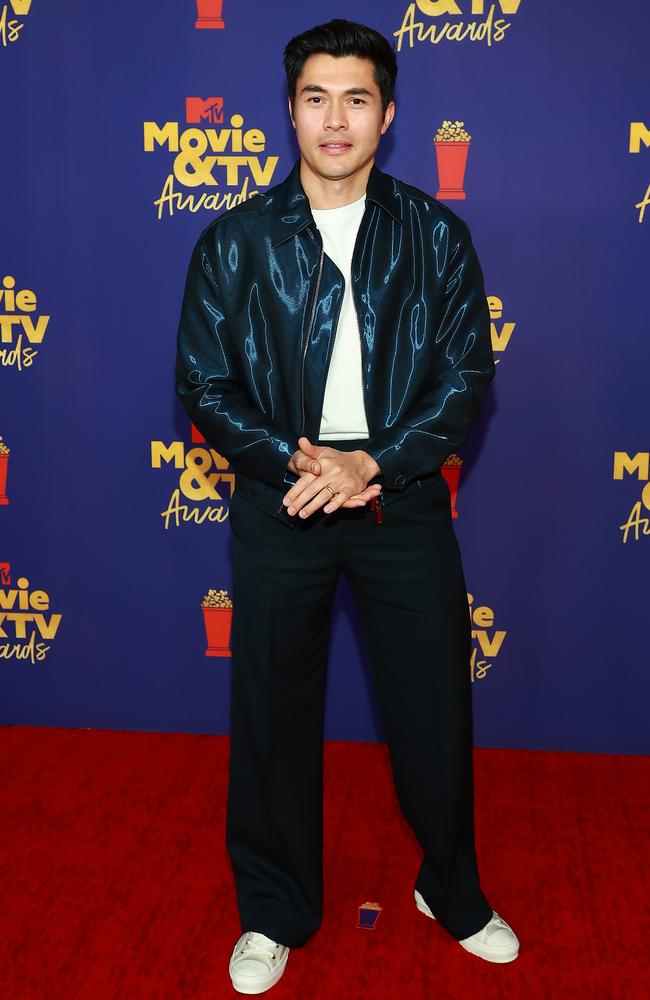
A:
x: 316, y: 88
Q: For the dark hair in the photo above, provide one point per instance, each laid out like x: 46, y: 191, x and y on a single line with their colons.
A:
x: 340, y: 37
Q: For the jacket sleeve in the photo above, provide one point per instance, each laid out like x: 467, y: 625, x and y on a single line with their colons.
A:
x: 207, y: 384
x: 433, y: 427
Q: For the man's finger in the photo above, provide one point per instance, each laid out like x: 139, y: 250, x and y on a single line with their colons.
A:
x: 355, y: 500
x: 309, y: 498
x: 300, y: 492
x: 324, y: 499
x: 308, y: 501
x: 294, y: 492
x: 306, y: 464
x: 368, y: 493
x: 362, y: 498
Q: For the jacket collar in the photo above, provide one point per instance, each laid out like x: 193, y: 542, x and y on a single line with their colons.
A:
x: 291, y: 212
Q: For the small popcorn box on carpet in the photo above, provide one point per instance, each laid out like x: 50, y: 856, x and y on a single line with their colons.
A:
x: 368, y: 916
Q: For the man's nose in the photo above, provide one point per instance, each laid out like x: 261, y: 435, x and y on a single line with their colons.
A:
x: 335, y: 118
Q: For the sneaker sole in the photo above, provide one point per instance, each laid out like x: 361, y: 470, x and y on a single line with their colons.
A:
x: 508, y: 956
x: 262, y: 985
x: 421, y: 905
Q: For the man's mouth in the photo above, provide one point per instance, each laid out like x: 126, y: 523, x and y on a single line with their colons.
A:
x: 336, y: 147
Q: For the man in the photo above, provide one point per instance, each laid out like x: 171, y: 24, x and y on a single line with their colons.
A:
x: 334, y: 346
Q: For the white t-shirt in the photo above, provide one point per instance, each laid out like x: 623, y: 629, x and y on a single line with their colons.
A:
x: 343, y: 414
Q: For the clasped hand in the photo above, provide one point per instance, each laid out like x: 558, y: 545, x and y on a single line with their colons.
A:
x: 347, y: 472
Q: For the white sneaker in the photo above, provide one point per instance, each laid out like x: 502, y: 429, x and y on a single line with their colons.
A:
x: 496, y: 942
x: 257, y: 962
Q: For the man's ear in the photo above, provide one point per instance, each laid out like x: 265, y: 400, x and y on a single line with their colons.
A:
x: 388, y: 116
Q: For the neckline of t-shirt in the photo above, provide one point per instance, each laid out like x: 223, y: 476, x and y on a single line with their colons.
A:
x: 342, y: 211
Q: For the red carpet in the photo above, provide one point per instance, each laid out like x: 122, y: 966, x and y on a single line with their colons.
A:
x: 116, y: 883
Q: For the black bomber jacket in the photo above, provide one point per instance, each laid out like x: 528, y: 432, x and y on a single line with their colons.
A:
x: 258, y: 321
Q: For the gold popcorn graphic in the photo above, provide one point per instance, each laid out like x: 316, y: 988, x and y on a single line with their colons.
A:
x: 452, y: 132
x: 217, y: 618
x: 451, y: 142
x: 216, y: 599
x: 4, y: 469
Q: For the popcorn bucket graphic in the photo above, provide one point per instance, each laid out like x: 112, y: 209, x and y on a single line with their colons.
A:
x: 368, y: 916
x: 4, y: 468
x: 450, y: 469
x: 452, y: 159
x: 209, y: 14
x: 452, y: 145
x: 217, y: 618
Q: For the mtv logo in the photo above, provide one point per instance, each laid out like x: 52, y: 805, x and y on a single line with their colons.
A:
x: 21, y: 6
x: 197, y: 437
x: 210, y: 109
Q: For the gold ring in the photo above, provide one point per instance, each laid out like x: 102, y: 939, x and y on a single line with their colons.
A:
x: 331, y: 488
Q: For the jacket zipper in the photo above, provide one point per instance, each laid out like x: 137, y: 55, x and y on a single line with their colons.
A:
x: 376, y: 503
x: 356, y: 311
x: 309, y: 333
x: 304, y: 353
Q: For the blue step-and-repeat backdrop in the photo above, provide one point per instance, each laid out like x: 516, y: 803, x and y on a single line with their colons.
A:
x: 125, y: 128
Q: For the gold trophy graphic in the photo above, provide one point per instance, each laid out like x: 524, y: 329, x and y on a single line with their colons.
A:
x: 21, y: 7
x: 452, y: 146
x: 450, y: 469
x: 4, y: 468
x: 217, y: 618
x: 209, y: 14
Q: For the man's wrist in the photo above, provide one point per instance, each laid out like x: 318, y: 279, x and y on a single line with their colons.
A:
x: 372, y: 469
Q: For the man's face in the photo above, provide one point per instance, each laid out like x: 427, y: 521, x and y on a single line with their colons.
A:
x: 337, y: 114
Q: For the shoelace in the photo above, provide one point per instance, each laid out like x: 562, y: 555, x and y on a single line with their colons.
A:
x: 495, y: 924
x: 259, y: 945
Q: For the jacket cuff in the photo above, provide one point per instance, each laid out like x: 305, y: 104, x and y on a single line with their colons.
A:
x: 290, y: 477
x: 393, y: 473
x: 274, y: 469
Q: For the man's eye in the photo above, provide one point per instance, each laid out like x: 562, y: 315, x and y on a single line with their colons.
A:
x: 359, y: 99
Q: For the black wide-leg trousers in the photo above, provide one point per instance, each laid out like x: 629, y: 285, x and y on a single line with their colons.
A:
x: 407, y: 580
